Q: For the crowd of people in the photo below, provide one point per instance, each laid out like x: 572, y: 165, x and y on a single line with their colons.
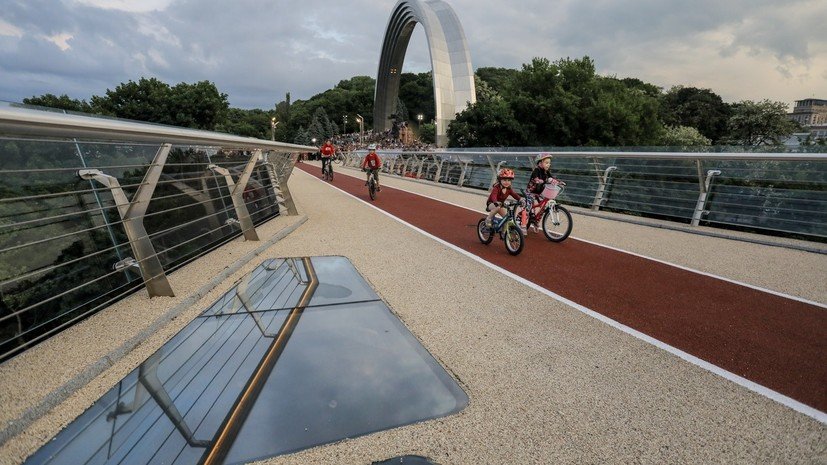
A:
x: 385, y: 140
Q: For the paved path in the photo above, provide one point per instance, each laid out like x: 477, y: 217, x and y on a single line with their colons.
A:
x: 547, y: 383
x: 777, y: 342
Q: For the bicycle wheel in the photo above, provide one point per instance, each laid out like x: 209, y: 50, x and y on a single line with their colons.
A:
x: 514, y: 239
x: 557, y: 223
x: 372, y: 189
x: 484, y: 233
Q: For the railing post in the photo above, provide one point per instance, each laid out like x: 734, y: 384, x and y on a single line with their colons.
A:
x: 603, y: 181
x: 704, y: 192
x: 462, y: 173
x: 237, y: 195
x: 438, y: 169
x: 132, y: 213
x: 405, y: 166
x: 419, y: 171
x: 495, y: 171
x: 279, y: 176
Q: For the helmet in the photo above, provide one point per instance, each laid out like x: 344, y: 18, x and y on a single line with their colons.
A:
x: 505, y: 173
x: 372, y: 147
x: 541, y: 157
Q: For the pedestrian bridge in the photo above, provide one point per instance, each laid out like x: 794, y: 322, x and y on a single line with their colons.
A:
x: 647, y: 340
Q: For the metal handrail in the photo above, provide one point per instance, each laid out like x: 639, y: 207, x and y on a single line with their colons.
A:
x: 178, y: 239
x: 26, y: 120
x: 791, y: 183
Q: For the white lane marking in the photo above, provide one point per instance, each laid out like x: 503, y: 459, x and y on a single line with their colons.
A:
x: 741, y: 381
x: 616, y: 249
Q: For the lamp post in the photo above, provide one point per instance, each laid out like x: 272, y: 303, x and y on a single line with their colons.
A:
x: 273, y: 124
x: 419, y: 118
x: 361, y: 122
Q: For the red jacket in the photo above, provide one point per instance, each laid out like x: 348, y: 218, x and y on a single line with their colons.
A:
x: 328, y: 150
x: 497, y: 194
x: 372, y: 161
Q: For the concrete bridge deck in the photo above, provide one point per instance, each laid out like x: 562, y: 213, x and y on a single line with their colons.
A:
x: 547, y: 382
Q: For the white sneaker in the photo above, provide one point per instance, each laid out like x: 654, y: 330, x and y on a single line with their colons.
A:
x: 534, y: 228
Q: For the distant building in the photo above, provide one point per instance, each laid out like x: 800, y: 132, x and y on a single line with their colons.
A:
x: 811, y: 114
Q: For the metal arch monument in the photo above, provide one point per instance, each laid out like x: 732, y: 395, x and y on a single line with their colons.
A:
x: 450, y: 62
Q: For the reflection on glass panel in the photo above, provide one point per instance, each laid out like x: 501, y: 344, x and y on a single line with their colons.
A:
x: 244, y: 382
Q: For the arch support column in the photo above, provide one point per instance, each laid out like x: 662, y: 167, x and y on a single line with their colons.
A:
x: 453, y: 76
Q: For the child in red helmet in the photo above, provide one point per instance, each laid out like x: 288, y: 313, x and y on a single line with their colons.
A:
x: 499, y: 192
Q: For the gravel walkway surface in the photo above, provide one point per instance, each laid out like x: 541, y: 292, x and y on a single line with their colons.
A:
x: 547, y: 383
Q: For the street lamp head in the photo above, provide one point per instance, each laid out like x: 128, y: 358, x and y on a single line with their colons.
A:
x: 419, y: 117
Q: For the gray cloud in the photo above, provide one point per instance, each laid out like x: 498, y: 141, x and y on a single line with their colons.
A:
x: 257, y: 50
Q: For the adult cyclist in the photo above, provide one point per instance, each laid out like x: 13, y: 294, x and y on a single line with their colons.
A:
x: 327, y: 151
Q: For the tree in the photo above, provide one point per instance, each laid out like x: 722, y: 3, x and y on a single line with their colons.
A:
x: 145, y: 100
x: 498, y: 79
x: 484, y: 91
x: 489, y: 123
x: 400, y: 110
x: 349, y: 97
x: 699, y: 108
x: 198, y: 105
x: 427, y: 133
x: 247, y: 123
x: 418, y: 91
x: 566, y: 104
x: 683, y: 136
x: 64, y: 102
x: 759, y: 123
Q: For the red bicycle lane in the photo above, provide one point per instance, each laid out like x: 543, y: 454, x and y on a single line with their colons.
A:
x: 777, y: 342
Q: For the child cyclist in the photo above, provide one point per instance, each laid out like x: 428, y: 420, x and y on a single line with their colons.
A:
x: 371, y: 164
x: 499, y: 192
x: 536, y: 183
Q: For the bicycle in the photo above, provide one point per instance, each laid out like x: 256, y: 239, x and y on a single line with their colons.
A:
x: 372, y: 187
x: 327, y: 172
x: 555, y: 219
x: 507, y: 228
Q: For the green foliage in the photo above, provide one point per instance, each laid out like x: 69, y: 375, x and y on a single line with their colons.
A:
x: 427, y: 133
x: 417, y: 91
x: 760, y: 123
x: 198, y: 105
x: 349, y: 97
x: 247, y: 123
x: 497, y: 79
x: 699, y: 108
x: 489, y: 123
x: 562, y: 103
x: 63, y: 103
x: 683, y: 136
x: 484, y: 91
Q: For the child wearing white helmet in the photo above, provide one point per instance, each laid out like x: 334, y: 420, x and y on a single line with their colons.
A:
x: 536, y: 182
x: 371, y: 164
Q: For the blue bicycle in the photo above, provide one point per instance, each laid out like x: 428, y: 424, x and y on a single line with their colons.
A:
x: 506, y: 227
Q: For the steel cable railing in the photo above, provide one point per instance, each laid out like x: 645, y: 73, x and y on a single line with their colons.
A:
x: 66, y: 250
x: 763, y: 190
x: 107, y: 275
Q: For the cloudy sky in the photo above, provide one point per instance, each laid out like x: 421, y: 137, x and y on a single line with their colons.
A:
x: 257, y: 50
